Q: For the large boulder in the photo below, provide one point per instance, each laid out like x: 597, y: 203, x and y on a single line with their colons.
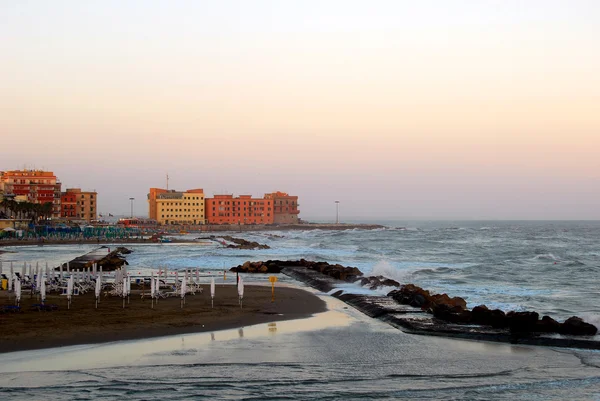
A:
x: 410, y: 294
x: 452, y: 314
x: 444, y: 299
x: 547, y: 325
x: 488, y: 317
x: 576, y: 326
x: 522, y: 322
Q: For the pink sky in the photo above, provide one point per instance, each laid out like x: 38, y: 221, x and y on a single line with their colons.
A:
x: 435, y: 110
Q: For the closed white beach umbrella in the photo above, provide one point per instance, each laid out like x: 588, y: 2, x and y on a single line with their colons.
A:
x: 69, y: 291
x: 38, y: 280
x: 124, y: 289
x: 97, y: 290
x: 128, y: 285
x: 98, y: 287
x: 18, y: 291
x: 68, y: 268
x: 60, y: 272
x: 152, y: 289
x: 197, y: 276
x: 184, y: 286
x: 43, y: 291
x: 0, y: 267
x: 23, y: 271
x: 11, y: 278
x: 212, y: 291
x: 241, y: 290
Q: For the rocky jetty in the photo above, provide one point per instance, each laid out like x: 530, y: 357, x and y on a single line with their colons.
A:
x: 257, y: 267
x: 454, y: 310
x: 348, y: 274
x: 238, y: 243
x: 419, y: 311
x: 103, y: 257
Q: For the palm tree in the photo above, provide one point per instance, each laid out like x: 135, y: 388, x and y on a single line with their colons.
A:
x: 46, y: 210
x: 8, y: 204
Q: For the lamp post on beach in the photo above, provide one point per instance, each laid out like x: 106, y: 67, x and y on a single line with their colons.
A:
x: 132, y: 199
x: 337, y: 212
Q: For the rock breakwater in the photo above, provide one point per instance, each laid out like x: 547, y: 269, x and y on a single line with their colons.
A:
x: 416, y: 310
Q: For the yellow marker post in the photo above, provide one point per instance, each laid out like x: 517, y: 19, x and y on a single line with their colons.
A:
x: 224, y: 275
x: 272, y: 279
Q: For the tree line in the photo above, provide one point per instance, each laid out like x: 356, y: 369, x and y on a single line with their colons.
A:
x: 25, y: 210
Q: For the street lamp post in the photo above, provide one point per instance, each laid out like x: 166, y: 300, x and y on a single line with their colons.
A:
x: 337, y: 212
x: 132, y: 199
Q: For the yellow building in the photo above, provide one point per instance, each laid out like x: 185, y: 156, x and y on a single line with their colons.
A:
x: 171, y: 207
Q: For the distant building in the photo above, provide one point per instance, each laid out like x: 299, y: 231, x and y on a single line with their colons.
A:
x: 225, y: 209
x: 68, y: 203
x: 34, y: 186
x: 171, y: 207
x: 79, y: 205
x: 285, y: 208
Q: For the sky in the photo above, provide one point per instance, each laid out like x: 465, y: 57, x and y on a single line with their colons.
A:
x: 398, y: 109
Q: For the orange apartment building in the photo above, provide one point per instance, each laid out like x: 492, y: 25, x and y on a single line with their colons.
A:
x: 68, y: 202
x: 37, y: 186
x: 225, y: 209
x: 285, y: 208
x: 79, y: 205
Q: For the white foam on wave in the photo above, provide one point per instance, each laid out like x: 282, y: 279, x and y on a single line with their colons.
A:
x: 592, y: 318
x: 546, y: 256
x: 386, y: 269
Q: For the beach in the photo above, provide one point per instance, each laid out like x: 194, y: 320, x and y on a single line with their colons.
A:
x: 83, y: 324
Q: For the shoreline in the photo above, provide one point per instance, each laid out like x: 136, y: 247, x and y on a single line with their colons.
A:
x: 83, y: 324
x: 202, y: 230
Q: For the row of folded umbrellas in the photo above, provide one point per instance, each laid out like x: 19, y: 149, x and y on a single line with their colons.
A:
x: 67, y: 281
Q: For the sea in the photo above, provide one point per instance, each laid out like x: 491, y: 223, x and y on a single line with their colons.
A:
x: 551, y: 267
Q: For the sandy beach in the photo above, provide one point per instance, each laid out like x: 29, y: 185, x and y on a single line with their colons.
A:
x: 83, y: 324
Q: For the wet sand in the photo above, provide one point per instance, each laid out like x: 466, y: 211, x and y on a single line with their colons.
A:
x: 83, y: 324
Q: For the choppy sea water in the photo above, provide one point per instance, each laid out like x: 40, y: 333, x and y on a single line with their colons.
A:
x: 550, y: 267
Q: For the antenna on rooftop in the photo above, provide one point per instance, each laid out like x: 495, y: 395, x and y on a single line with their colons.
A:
x: 167, y: 181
